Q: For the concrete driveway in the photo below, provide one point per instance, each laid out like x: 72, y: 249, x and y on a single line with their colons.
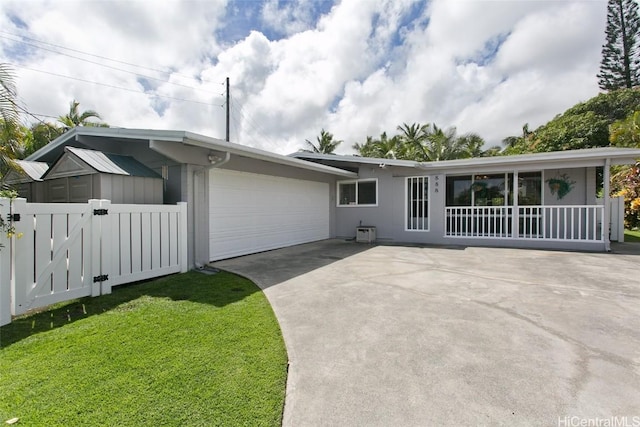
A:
x: 415, y: 336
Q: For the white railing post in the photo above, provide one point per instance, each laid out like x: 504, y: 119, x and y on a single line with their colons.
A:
x: 183, y: 238
x: 106, y: 247
x: 5, y: 267
x: 93, y: 265
x: 22, y: 268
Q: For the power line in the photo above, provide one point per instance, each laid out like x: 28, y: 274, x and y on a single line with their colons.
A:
x: 113, y: 68
x: 115, y: 87
x: 259, y: 129
x: 108, y: 59
x: 24, y: 109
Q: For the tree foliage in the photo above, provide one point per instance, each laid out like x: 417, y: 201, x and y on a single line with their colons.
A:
x: 76, y: 118
x: 626, y: 133
x: 620, y: 55
x: 382, y: 147
x: 325, y: 143
x: 17, y: 140
x: 584, y: 125
x: 10, y: 129
x: 424, y: 143
x: 625, y: 180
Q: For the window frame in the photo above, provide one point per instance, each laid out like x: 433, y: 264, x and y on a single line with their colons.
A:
x: 509, y: 193
x: 407, y: 180
x: 356, y: 204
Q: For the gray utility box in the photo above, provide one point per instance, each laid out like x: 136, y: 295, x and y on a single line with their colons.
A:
x: 365, y: 234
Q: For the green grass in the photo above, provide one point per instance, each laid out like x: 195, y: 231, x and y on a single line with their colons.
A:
x: 632, y: 236
x: 184, y: 350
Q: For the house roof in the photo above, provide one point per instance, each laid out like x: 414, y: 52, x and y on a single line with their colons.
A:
x: 203, y: 148
x: 33, y: 170
x: 80, y: 161
x: 584, y: 157
x: 353, y: 159
x: 27, y: 172
x: 568, y: 158
x: 112, y: 163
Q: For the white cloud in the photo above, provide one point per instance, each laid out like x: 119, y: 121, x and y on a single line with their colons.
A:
x: 288, y: 17
x: 362, y: 68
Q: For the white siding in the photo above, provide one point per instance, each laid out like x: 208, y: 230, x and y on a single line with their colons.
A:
x: 250, y: 213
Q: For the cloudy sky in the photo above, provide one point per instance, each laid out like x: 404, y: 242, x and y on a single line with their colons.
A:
x: 352, y: 67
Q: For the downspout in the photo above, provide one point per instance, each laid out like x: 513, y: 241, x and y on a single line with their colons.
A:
x: 215, y: 163
x: 606, y: 213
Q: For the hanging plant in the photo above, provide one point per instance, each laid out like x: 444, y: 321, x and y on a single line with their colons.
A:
x: 479, y: 186
x: 561, y: 185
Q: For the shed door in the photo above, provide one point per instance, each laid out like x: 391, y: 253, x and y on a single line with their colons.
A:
x: 250, y: 213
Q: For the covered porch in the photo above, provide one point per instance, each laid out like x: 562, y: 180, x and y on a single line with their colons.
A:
x: 528, y: 200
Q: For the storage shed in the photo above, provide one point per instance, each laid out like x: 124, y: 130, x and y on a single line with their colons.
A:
x: 26, y: 180
x: 80, y: 174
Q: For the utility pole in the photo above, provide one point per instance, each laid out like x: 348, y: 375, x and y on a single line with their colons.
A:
x: 228, y: 111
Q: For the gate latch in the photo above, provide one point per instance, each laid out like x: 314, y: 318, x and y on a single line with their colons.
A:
x: 100, y: 211
x: 101, y: 278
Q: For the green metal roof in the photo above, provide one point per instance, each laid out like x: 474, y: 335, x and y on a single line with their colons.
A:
x: 112, y: 163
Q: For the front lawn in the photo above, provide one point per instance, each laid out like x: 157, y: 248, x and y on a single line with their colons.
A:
x: 632, y: 236
x: 188, y: 349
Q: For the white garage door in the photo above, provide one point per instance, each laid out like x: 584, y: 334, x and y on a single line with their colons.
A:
x: 250, y: 213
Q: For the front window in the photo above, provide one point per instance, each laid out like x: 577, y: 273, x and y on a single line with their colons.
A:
x: 494, y: 189
x: 358, y: 193
x: 490, y: 189
x: 530, y: 188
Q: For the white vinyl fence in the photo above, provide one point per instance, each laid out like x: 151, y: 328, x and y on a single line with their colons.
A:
x: 62, y: 251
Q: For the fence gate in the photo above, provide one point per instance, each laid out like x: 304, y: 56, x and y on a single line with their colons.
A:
x: 67, y: 251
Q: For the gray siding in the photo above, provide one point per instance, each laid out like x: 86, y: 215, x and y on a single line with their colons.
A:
x: 389, y: 216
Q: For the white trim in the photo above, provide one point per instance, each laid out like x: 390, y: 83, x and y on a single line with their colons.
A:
x: 356, y: 204
x: 185, y: 139
x: 355, y: 159
x: 424, y: 178
x: 522, y: 162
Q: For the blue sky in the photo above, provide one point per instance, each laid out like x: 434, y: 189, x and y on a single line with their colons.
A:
x: 355, y: 68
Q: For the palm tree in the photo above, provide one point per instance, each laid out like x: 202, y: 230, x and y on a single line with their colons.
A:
x: 442, y: 145
x: 74, y: 118
x: 39, y: 135
x: 413, y: 138
x: 326, y: 143
x: 10, y: 128
x: 472, y: 144
x: 382, y: 148
x: 519, y: 144
x: 496, y: 150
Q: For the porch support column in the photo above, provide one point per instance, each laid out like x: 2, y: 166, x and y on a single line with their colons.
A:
x: 606, y: 210
x: 515, y: 215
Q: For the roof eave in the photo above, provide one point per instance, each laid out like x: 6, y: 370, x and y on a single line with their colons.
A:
x: 254, y: 153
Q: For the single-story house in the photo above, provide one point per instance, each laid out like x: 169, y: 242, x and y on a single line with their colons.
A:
x: 243, y: 200
x: 541, y: 200
x: 240, y: 200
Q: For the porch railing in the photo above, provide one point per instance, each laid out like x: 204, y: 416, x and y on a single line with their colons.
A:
x: 576, y: 222
x: 479, y: 221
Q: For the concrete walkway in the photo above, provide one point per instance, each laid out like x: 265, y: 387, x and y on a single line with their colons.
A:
x: 411, y: 336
